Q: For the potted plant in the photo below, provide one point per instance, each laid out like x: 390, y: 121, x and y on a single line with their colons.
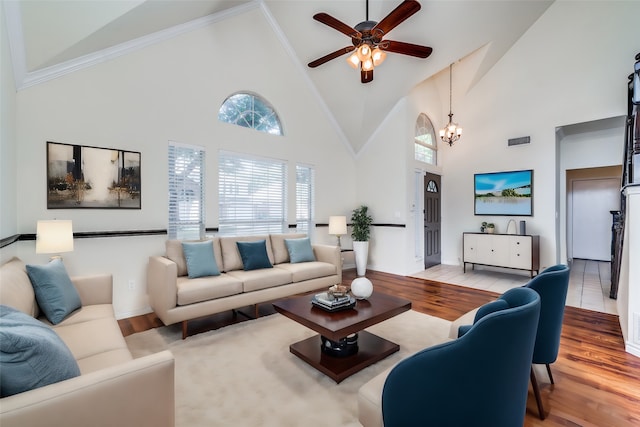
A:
x: 360, y: 232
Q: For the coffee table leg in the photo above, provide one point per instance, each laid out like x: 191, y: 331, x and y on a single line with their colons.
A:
x: 371, y: 349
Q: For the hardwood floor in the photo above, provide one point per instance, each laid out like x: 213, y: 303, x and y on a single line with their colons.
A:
x: 596, y: 382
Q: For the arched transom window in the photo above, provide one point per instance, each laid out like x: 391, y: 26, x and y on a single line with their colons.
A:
x: 250, y: 111
x: 425, y: 140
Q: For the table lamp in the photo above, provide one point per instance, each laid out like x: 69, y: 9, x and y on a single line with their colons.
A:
x: 54, y: 237
x: 338, y: 226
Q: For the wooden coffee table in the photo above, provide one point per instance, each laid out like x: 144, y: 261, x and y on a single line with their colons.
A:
x: 336, y: 326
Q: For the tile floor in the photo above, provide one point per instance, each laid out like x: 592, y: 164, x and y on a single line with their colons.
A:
x: 589, y: 283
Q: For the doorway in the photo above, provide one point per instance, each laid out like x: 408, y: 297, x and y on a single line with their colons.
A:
x: 591, y: 203
x: 432, y: 227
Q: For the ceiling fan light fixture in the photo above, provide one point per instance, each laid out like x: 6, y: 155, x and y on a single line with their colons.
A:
x: 368, y: 47
x: 367, y: 65
x: 378, y: 56
x: 353, y: 61
x: 363, y: 52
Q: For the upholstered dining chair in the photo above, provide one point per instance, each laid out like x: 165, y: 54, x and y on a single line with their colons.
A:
x: 481, y: 378
x: 552, y: 285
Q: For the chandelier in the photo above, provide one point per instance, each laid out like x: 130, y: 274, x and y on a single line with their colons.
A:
x: 451, y: 131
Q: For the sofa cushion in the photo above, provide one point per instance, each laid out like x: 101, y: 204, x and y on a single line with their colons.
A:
x: 308, y: 270
x: 56, y: 295
x: 32, y: 355
x: 300, y: 250
x: 254, y: 280
x: 280, y: 251
x: 191, y: 291
x: 15, y: 288
x: 231, y: 255
x: 200, y: 259
x: 98, y: 340
x: 254, y: 255
x: 173, y: 251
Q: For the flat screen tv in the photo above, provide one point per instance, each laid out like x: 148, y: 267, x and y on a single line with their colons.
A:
x: 503, y: 193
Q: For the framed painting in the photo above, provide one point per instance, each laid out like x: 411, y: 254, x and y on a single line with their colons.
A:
x: 504, y: 193
x: 83, y: 177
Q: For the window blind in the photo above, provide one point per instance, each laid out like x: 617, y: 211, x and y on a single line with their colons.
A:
x: 186, y: 192
x: 305, y: 199
x: 252, y: 194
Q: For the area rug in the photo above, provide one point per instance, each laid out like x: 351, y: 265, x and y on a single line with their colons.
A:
x: 244, y: 374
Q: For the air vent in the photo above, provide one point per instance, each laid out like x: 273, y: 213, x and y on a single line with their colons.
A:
x: 519, y: 141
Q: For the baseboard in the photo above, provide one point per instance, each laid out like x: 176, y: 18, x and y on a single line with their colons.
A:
x: 139, y: 312
x: 632, y: 348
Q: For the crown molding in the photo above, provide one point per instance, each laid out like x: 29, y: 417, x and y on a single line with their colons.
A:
x: 25, y: 79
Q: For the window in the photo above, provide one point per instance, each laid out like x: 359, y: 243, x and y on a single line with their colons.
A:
x: 425, y: 140
x: 305, y: 199
x: 186, y: 192
x: 250, y: 111
x: 252, y: 193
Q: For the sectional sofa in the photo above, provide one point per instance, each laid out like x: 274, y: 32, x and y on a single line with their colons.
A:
x: 76, y: 369
x: 274, y: 266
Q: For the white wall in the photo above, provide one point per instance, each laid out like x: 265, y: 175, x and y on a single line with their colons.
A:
x: 8, y: 189
x: 570, y: 67
x: 628, y: 303
x: 171, y: 91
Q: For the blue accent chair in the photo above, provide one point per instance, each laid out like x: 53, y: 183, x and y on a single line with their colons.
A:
x: 479, y: 379
x: 552, y: 285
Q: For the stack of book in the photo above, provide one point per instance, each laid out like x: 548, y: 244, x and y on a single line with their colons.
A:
x: 332, y: 303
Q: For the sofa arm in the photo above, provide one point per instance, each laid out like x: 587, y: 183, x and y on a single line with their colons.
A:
x: 97, y: 289
x: 330, y: 254
x: 162, y: 277
x: 139, y: 392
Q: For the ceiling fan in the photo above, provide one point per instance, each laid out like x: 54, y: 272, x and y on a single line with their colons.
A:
x: 367, y: 38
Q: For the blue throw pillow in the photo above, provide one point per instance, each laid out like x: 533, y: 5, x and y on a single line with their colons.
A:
x: 254, y: 255
x: 32, y: 355
x: 56, y: 295
x: 200, y: 259
x: 300, y: 250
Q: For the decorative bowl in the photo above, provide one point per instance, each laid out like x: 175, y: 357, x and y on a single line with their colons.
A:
x: 338, y: 290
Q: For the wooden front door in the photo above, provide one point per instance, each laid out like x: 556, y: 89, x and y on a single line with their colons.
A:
x: 432, y: 233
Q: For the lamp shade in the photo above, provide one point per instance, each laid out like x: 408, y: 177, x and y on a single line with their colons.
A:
x: 54, y: 236
x: 337, y: 225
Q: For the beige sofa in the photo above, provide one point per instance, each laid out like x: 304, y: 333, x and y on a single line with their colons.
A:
x: 177, y: 298
x: 113, y: 389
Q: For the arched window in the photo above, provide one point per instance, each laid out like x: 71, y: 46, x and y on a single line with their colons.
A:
x: 250, y: 111
x: 425, y: 140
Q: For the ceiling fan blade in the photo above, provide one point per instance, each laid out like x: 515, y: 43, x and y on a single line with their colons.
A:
x: 332, y: 55
x: 366, y: 76
x: 337, y: 25
x: 406, y: 48
x: 397, y: 15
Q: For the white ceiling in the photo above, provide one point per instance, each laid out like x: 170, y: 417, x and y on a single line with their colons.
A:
x: 51, y: 37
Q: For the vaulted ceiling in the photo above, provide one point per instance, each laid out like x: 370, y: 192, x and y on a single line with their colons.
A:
x: 49, y: 38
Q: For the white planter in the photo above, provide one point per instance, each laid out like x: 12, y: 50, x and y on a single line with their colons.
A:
x: 361, y: 254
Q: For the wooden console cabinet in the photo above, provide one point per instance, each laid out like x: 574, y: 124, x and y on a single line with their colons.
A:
x: 501, y: 250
